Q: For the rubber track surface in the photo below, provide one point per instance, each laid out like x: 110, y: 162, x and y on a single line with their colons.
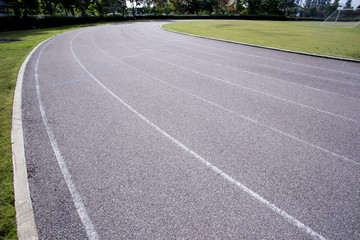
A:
x: 133, y: 132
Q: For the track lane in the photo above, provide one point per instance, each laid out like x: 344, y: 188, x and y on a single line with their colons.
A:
x: 207, y: 130
x: 271, y: 206
x: 318, y: 98
x: 260, y: 66
x: 345, y: 68
x: 273, y: 118
x: 136, y: 61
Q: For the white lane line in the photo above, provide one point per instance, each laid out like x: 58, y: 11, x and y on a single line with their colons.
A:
x: 276, y: 79
x: 272, y: 78
x: 244, y: 87
x: 253, y: 90
x: 268, y: 204
x: 80, y: 207
x: 265, y: 76
x: 228, y: 110
x: 257, y: 74
x: 248, y: 54
x: 282, y: 69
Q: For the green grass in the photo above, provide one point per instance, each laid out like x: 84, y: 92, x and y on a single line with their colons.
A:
x: 11, y: 57
x: 307, y: 37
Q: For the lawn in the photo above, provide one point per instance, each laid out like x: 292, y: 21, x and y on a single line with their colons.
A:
x: 11, y: 57
x: 300, y: 36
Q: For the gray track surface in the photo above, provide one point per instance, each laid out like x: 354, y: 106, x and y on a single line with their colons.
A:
x: 284, y: 125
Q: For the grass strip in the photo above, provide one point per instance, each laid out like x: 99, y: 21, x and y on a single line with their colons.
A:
x: 307, y: 37
x: 12, y: 56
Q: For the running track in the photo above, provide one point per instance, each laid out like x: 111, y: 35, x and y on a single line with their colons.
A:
x: 133, y: 132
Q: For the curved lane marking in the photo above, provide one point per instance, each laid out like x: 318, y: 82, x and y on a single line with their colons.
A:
x: 80, y: 207
x: 236, y: 84
x: 276, y: 49
x: 231, y: 111
x: 253, y: 194
x: 289, y: 82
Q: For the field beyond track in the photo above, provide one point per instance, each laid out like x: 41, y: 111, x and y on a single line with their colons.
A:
x: 307, y: 37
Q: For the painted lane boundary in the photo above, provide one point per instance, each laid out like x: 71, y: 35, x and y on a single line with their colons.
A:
x: 25, y: 220
x: 258, y: 46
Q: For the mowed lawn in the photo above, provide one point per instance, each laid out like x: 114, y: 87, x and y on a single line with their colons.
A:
x: 307, y: 37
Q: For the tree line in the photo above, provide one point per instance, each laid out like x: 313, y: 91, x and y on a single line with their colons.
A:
x: 307, y: 8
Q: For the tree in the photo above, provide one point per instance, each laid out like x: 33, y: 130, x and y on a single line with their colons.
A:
x: 49, y: 6
x: 308, y: 3
x: 223, y: 4
x: 115, y: 4
x: 100, y: 4
x: 322, y: 3
x: 330, y: 8
x: 271, y: 7
x: 82, y: 5
x: 179, y: 6
x: 134, y: 4
x: 23, y: 7
x: 348, y: 4
x: 239, y: 6
x: 209, y: 5
x: 287, y: 4
x: 193, y: 6
x: 69, y: 6
x: 253, y: 6
x: 162, y: 6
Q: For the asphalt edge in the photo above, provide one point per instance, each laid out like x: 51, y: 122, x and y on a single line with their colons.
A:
x: 269, y: 48
x: 25, y: 220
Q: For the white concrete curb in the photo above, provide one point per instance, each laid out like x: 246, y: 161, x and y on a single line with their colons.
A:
x: 270, y: 48
x: 25, y: 221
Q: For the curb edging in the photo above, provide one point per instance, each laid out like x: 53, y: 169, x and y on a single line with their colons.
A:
x: 25, y: 220
x: 269, y: 48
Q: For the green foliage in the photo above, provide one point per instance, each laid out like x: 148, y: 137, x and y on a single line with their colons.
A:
x: 208, y: 6
x: 319, y: 8
x: 32, y: 22
x: 159, y: 7
x: 22, y: 7
x: 239, y: 5
x: 253, y: 6
x: 271, y: 7
x: 11, y: 58
x: 179, y: 6
x: 309, y: 8
x: 330, y: 8
x: 312, y: 12
x: 348, y: 4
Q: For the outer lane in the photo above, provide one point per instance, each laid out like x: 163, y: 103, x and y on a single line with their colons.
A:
x: 135, y: 183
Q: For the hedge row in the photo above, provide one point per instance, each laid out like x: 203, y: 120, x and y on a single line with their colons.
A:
x: 9, y: 23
